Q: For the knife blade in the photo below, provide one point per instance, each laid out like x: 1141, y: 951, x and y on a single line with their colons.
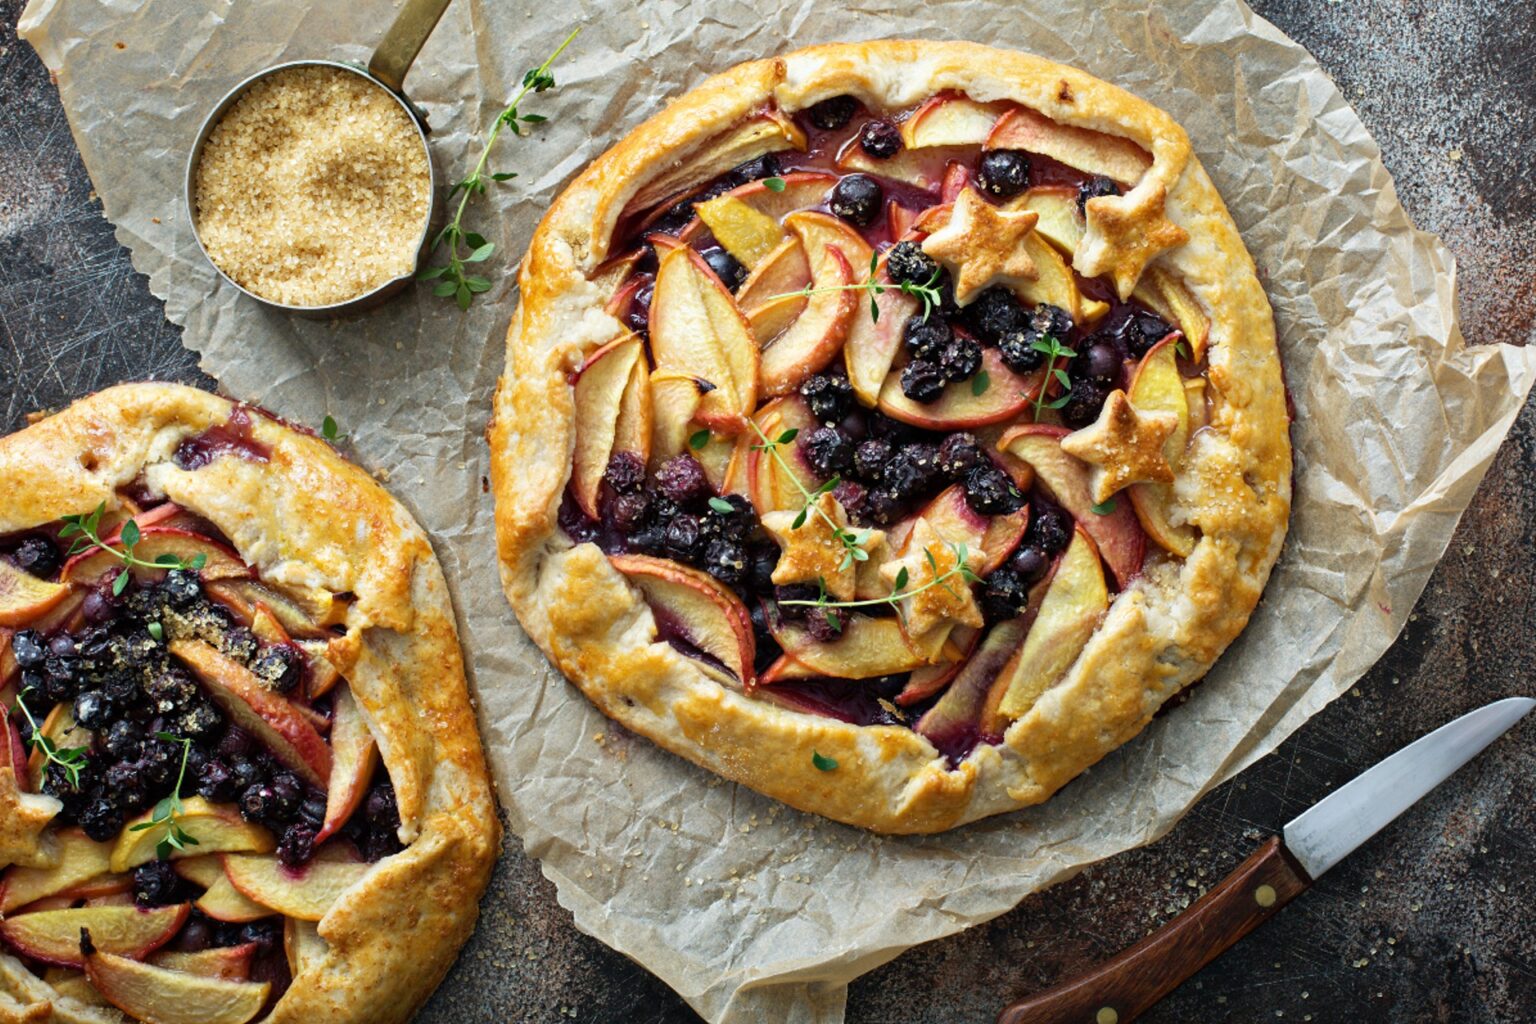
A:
x: 1120, y: 989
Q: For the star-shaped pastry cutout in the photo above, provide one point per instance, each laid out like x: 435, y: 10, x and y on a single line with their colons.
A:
x: 983, y: 245
x: 1124, y: 234
x: 932, y: 611
x: 812, y: 551
x: 23, y: 817
x: 1123, y: 446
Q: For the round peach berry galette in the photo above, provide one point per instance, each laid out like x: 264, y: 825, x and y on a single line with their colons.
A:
x: 240, y: 777
x: 891, y: 427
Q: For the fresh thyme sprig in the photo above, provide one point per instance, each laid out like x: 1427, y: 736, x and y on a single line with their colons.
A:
x: 330, y: 432
x: 452, y: 278
x: 169, y: 810
x: 928, y: 291
x: 1053, y: 349
x: 86, y: 531
x: 898, y: 592
x: 71, y: 759
x: 852, y: 540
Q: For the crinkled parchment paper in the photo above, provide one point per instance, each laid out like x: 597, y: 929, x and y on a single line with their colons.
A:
x: 752, y: 911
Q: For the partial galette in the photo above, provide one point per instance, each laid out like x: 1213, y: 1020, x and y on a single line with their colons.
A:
x: 240, y: 777
x: 891, y: 427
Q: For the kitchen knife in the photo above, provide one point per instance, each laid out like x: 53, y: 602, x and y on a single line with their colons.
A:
x: 1120, y: 989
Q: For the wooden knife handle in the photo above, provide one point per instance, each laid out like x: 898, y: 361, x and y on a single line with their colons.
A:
x: 1121, y: 989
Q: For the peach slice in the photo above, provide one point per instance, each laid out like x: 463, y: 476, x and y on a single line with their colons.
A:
x: 156, y: 543
x: 302, y: 945
x: 13, y: 752
x: 956, y: 718
x: 923, y: 168
x: 220, y: 899
x: 67, y: 616
x: 866, y: 647
x: 306, y: 893
x: 930, y: 679
x: 772, y: 318
x: 598, y: 398
x: 959, y: 407
x: 951, y: 120
x: 1167, y: 296
x: 769, y: 486
x: 80, y: 860
x: 243, y: 597
x: 802, y: 190
x: 988, y: 539
x: 24, y: 597
x: 699, y: 610
x: 216, y: 827
x: 74, y: 985
x: 1055, y: 284
x: 229, y: 963
x: 1116, y: 532
x: 615, y: 274
x: 1194, y: 394
x: 675, y: 399
x: 53, y: 936
x: 837, y: 257
x: 9, y: 670
x: 159, y: 995
x: 697, y: 329
x: 1080, y: 148
x: 323, y: 674
x: 873, y: 342
x: 760, y: 134
x: 1059, y: 223
x: 268, y: 716
x: 746, y: 234
x: 1074, y: 602
x: 1157, y: 387
x: 781, y: 272
x: 355, y: 753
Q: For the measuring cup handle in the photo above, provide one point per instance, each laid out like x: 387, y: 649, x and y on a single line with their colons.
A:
x: 404, y: 41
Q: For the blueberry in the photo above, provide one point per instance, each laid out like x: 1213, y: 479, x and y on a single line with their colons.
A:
x: 1084, y: 402
x: 312, y: 810
x: 266, y: 934
x: 829, y: 396
x: 726, y: 560
x: 256, y: 803
x: 122, y: 740
x: 1046, y: 319
x: 683, y: 535
x: 764, y: 559
x: 1004, y: 594
x: 278, y: 666
x: 380, y: 807
x: 1019, y: 353
x: 832, y: 114
x: 824, y: 624
x: 234, y: 741
x: 199, y: 719
x: 99, y: 606
x: 922, y: 381
x: 1003, y: 172
x: 960, y: 359
x: 196, y: 936
x: 959, y: 454
x: 1030, y: 563
x: 1140, y: 331
x: 102, y: 819
x: 857, y: 199
x: 682, y: 479
x: 765, y: 166
x: 870, y: 457
x: 828, y: 450
x: 926, y: 337
x: 625, y: 472
x: 181, y: 587
x: 1102, y: 362
x: 881, y: 507
x: 93, y: 711
x: 880, y: 139
x: 989, y: 491
x: 1096, y: 186
x: 996, y: 315
x: 216, y: 782
x: 28, y: 648
x: 912, y: 470
x: 297, y: 846
x: 1049, y: 530
x: 638, y: 316
x: 155, y: 884
x: 245, y: 771
x: 906, y: 263
x: 734, y: 525
x: 726, y: 267
x: 38, y: 556
x: 627, y: 511
x: 239, y: 643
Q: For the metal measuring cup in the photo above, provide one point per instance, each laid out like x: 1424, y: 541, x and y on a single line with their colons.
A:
x: 386, y: 70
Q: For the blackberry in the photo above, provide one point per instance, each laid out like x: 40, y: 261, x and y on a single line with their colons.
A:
x: 1049, y: 530
x: 122, y: 781
x: 765, y: 166
x: 1053, y: 320
x: 28, y: 648
x: 857, y: 199
x: 1101, y: 361
x: 170, y: 691
x: 198, y: 720
x: 881, y: 507
x: 870, y: 457
x: 820, y: 624
x: 93, y: 711
x: 1096, y: 186
x: 297, y: 846
x: 995, y: 315
x: 912, y: 470
x: 734, y: 525
x: 625, y: 472
x: 906, y: 263
x: 726, y: 561
x: 51, y: 687
x: 1003, y: 172
x: 121, y: 740
x: 1004, y: 594
x: 959, y: 454
x: 880, y: 139
x: 1030, y: 563
x: 922, y: 381
x: 682, y: 479
x: 989, y: 491
x: 1140, y: 331
x: 882, y: 426
x: 851, y: 495
x: 828, y: 450
x: 278, y: 666
x: 159, y: 762
x: 380, y: 808
x: 828, y: 395
x: 216, y: 782
x: 155, y: 884
x: 181, y: 587
x: 960, y: 359
x: 627, y: 511
x: 926, y: 338
x: 101, y: 819
x: 726, y: 267
x: 832, y: 114
x: 1084, y: 403
x: 683, y: 535
x: 239, y: 643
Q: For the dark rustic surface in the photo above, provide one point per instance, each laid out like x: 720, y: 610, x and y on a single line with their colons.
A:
x: 1431, y: 921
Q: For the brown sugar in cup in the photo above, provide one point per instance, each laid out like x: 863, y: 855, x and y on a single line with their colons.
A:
x: 312, y: 189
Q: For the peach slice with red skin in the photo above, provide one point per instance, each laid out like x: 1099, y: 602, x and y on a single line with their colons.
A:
x: 80, y: 860
x: 1080, y: 148
x: 930, y: 679
x: 243, y: 597
x: 990, y: 539
x: 697, y: 329
x: 599, y: 398
x: 216, y: 827
x: 958, y: 407
x: 1157, y: 386
x: 951, y: 119
x: 675, y: 398
x: 874, y: 341
x: 769, y: 486
x: 24, y: 597
x: 923, y: 168
x: 158, y: 995
x: 220, y: 899
x: 1167, y: 296
x: 866, y: 647
x: 13, y: 752
x: 306, y: 893
x: 802, y: 190
x: 782, y: 272
x: 53, y: 936
x: 270, y: 717
x: 766, y: 132
x: 229, y: 963
x: 156, y: 542
x: 354, y: 755
x: 957, y: 717
x: 698, y: 609
x: 1116, y: 532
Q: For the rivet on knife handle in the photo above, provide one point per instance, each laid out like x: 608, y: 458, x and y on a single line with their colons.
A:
x: 1119, y: 990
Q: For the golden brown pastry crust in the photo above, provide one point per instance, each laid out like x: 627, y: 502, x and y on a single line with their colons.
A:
x: 1161, y: 633
x: 306, y: 518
